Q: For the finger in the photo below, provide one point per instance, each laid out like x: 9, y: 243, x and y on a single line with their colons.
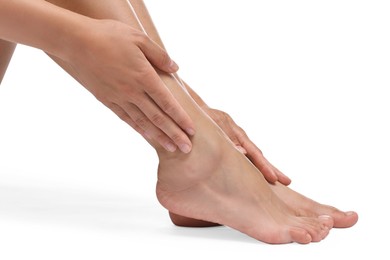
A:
x: 148, y: 129
x: 257, y: 158
x: 228, y: 125
x: 241, y: 149
x: 270, y: 172
x: 121, y: 113
x: 125, y: 117
x: 252, y: 152
x: 157, y: 55
x: 247, y: 147
x: 255, y: 155
x: 282, y: 178
x: 164, y: 99
x: 153, y: 118
x: 146, y: 133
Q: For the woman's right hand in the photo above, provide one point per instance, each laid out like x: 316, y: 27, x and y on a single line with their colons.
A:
x: 116, y: 63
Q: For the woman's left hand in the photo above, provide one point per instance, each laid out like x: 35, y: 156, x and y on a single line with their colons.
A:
x: 238, y: 136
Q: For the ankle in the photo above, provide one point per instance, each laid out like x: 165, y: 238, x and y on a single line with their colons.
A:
x: 177, y: 171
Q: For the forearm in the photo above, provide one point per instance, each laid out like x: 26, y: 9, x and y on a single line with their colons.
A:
x: 40, y: 24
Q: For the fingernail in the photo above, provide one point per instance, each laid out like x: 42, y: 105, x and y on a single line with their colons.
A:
x: 185, y: 148
x: 241, y: 149
x: 173, y: 65
x: 349, y: 213
x: 170, y: 147
x: 190, y: 131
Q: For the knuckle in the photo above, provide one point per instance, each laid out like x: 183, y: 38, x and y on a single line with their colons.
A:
x: 227, y: 117
x: 144, y: 73
x: 218, y: 116
x: 241, y: 135
x: 141, y: 121
x: 117, y: 110
x: 162, y: 138
x: 219, y: 119
x: 103, y: 97
x: 140, y: 37
x: 240, y: 131
x: 177, y: 138
x: 164, y: 58
x: 123, y: 115
x: 158, y: 119
x: 145, y: 77
x: 127, y: 95
x: 168, y: 107
x: 138, y: 100
x: 136, y: 128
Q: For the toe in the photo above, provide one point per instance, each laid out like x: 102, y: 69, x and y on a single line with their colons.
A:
x: 327, y: 221
x: 341, y: 219
x: 345, y: 219
x: 300, y: 235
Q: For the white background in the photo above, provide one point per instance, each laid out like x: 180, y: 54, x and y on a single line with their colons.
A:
x: 307, y: 80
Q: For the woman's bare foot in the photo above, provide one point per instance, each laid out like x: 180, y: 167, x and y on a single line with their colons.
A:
x: 216, y: 183
x: 300, y: 204
x: 305, y: 206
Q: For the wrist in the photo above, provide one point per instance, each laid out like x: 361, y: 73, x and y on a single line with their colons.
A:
x: 75, y: 38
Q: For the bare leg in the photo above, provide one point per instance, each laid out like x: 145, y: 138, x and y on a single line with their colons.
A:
x: 225, y: 188
x: 6, y: 51
x: 119, y: 10
x: 307, y: 207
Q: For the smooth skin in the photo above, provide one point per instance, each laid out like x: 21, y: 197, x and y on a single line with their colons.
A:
x: 121, y: 11
x: 190, y: 192
x: 115, y: 62
x: 6, y: 51
x: 227, y: 188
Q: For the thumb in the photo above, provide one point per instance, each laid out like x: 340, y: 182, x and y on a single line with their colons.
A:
x: 157, y: 56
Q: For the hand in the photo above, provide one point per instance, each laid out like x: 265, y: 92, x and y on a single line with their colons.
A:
x: 238, y: 136
x: 116, y: 66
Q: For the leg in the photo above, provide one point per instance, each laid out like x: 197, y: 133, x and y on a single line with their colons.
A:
x: 300, y: 202
x: 151, y: 30
x: 6, y: 51
x: 225, y: 181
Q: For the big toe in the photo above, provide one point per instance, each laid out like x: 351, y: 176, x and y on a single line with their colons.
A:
x: 344, y: 219
x: 341, y: 219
